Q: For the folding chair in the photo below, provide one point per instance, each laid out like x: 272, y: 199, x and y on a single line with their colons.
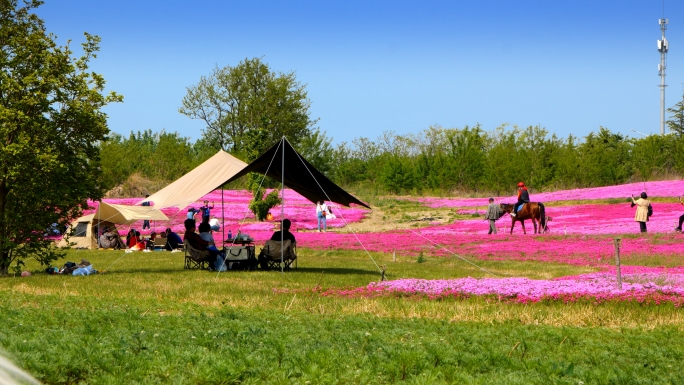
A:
x: 270, y: 255
x: 195, y: 259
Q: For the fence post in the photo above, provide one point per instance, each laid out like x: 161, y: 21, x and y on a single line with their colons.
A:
x: 394, y: 255
x: 616, y: 243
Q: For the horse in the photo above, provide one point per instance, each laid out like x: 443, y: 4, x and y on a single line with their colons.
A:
x: 532, y: 210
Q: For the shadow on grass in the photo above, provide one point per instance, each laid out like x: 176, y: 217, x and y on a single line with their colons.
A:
x: 335, y: 270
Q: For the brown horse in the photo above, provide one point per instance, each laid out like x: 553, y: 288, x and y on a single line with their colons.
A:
x: 533, y: 210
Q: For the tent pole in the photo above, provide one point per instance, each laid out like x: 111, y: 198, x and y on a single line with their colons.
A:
x: 99, y: 225
x: 282, y: 204
x: 223, y: 219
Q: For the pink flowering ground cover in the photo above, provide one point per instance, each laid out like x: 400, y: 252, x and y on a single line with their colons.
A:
x: 669, y: 188
x: 579, y: 234
x: 236, y: 215
x: 643, y: 285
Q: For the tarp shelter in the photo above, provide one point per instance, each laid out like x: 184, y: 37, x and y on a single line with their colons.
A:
x: 107, y: 214
x: 202, y: 180
x: 299, y: 175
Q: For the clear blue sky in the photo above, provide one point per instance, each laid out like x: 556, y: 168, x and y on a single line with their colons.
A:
x: 372, y: 66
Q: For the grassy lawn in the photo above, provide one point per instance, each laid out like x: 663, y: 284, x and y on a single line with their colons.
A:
x: 146, y: 320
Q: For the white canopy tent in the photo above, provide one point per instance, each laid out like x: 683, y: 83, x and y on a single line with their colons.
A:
x: 202, y: 180
x: 108, y: 214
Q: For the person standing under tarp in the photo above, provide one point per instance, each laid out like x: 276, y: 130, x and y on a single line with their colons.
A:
x: 146, y: 222
x: 494, y: 212
x: 206, y: 211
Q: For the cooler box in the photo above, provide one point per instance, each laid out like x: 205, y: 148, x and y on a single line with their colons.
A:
x: 239, y: 253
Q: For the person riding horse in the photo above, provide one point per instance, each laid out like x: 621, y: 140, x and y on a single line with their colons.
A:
x: 523, y: 197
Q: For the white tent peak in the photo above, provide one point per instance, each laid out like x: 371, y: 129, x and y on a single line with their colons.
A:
x: 202, y: 180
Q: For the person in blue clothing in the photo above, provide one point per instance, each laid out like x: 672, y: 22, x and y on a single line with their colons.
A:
x: 146, y: 223
x: 173, y: 240
x: 206, y: 211
x: 191, y: 213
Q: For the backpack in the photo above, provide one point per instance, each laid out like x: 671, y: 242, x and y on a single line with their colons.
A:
x: 650, y: 210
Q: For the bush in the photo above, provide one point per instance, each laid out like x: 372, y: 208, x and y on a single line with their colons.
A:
x: 261, y: 204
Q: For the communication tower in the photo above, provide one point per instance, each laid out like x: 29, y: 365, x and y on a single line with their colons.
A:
x: 662, y: 48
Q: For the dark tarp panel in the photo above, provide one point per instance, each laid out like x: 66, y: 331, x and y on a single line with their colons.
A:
x: 300, y: 175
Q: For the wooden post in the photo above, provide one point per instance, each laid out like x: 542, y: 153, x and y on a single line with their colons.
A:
x: 394, y: 255
x: 616, y: 243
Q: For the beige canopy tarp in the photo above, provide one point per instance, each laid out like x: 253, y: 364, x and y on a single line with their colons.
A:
x: 202, y: 180
x: 85, y: 235
x: 123, y: 214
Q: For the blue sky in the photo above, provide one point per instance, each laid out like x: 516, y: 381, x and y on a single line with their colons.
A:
x: 374, y: 66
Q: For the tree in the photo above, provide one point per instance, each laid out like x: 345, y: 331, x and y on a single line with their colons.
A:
x: 50, y: 126
x: 249, y: 105
x: 676, y: 121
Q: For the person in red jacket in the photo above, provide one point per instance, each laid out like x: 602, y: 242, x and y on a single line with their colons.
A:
x: 523, y: 197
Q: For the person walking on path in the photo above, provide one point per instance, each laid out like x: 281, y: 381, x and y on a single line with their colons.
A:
x: 641, y: 214
x: 494, y: 212
x: 681, y: 218
x: 321, y: 212
x: 206, y: 211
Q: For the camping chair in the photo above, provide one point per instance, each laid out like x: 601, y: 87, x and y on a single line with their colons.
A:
x: 159, y: 243
x: 270, y: 255
x: 195, y: 259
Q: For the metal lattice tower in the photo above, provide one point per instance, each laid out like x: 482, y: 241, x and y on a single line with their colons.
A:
x: 662, y: 48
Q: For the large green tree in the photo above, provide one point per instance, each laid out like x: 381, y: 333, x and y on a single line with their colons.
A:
x: 50, y: 125
x: 247, y: 108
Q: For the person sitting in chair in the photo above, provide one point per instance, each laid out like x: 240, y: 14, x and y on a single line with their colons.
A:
x: 281, y: 235
x: 197, y: 242
x: 523, y: 197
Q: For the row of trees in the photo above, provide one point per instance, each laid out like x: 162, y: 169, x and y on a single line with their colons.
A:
x: 471, y: 160
x: 434, y: 161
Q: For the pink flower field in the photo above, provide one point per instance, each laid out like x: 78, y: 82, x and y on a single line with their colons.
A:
x: 671, y: 188
x: 579, y: 235
x: 572, y: 237
x: 649, y: 286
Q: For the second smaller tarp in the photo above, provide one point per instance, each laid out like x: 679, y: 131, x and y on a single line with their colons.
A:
x: 122, y: 214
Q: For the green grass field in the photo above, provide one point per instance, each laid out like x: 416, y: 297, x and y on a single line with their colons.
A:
x: 146, y: 320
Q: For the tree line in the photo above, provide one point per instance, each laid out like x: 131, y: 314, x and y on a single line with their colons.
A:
x: 437, y: 160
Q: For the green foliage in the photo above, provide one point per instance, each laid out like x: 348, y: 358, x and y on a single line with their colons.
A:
x: 159, y: 156
x: 317, y: 149
x: 605, y: 158
x: 236, y: 101
x: 398, y: 175
x: 676, y: 121
x: 50, y: 124
x: 261, y: 204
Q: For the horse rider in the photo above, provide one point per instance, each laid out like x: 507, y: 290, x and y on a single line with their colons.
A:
x: 523, y: 197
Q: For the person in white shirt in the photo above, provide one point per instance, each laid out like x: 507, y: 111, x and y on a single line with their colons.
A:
x: 321, y: 212
x: 214, y: 224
